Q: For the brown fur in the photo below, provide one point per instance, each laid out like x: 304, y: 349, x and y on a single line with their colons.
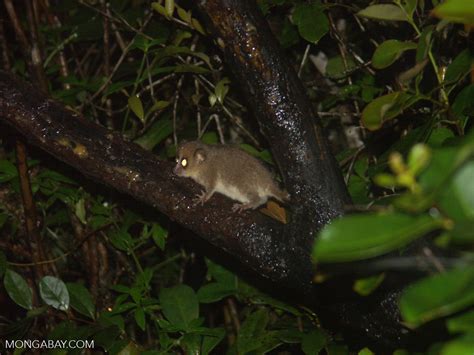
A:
x: 230, y: 171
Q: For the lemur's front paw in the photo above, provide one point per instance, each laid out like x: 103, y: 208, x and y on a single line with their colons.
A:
x: 201, y: 198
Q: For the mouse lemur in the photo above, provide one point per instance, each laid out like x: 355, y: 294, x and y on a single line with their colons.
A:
x: 230, y: 171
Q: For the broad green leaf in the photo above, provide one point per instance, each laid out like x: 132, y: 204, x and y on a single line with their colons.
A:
x: 460, y: 11
x: 80, y: 210
x: 184, y: 15
x: 464, y: 102
x: 462, y: 232
x: 135, y: 104
x: 365, y: 287
x: 180, y: 305
x: 18, y: 289
x: 252, y: 330
x: 424, y: 43
x: 8, y: 171
x: 364, y: 236
x: 311, y: 21
x: 386, y: 107
x: 313, y: 342
x: 457, y: 197
x: 122, y: 240
x: 159, y: 105
x: 389, y: 51
x: 460, y: 66
x: 385, y: 12
x: 365, y: 351
x: 409, y: 6
x: 336, y: 67
x: 159, y: 8
x: 169, y: 7
x: 438, y: 296
x: 140, y: 318
x: 54, y: 293
x: 438, y: 136
x: 214, y: 292
x: 159, y: 235
x: 197, y: 26
x: 81, y: 299
x: 212, y: 99
x: 210, y: 341
x: 221, y: 90
x: 155, y: 134
x: 462, y: 323
x: 460, y: 346
x: 190, y: 68
x: 418, y: 158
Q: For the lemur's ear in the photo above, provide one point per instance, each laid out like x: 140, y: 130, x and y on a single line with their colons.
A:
x: 200, y: 155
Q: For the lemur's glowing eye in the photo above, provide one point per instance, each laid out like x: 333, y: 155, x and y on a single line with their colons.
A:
x: 184, y: 162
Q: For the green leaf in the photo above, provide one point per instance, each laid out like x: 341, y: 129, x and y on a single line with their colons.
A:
x: 311, y: 21
x: 418, y: 158
x: 135, y: 104
x: 18, y: 289
x: 180, y: 305
x: 386, y: 107
x: 457, y: 198
x: 252, y: 329
x: 169, y: 7
x: 190, y: 68
x: 462, y: 232
x: 155, y: 134
x: 462, y: 323
x: 159, y: 235
x: 7, y: 171
x: 438, y: 296
x: 313, y: 342
x: 459, y: 67
x: 140, y: 318
x: 184, y: 15
x: 364, y: 236
x: 159, y: 105
x: 438, y: 136
x: 460, y: 11
x: 464, y: 102
x: 159, y: 8
x: 122, y: 240
x: 385, y: 12
x: 221, y: 90
x: 459, y: 346
x: 336, y: 67
x: 81, y: 299
x: 366, y: 286
x: 365, y: 351
x: 80, y: 210
x: 424, y: 43
x: 389, y: 51
x: 214, y: 292
x: 54, y: 293
x: 211, y: 340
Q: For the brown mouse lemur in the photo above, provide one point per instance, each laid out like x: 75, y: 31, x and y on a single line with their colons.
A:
x: 230, y: 171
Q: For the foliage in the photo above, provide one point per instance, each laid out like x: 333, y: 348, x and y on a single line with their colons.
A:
x: 128, y: 278
x: 429, y: 193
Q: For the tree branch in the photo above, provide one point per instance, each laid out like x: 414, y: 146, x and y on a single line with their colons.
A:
x: 255, y: 240
x: 282, y: 108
